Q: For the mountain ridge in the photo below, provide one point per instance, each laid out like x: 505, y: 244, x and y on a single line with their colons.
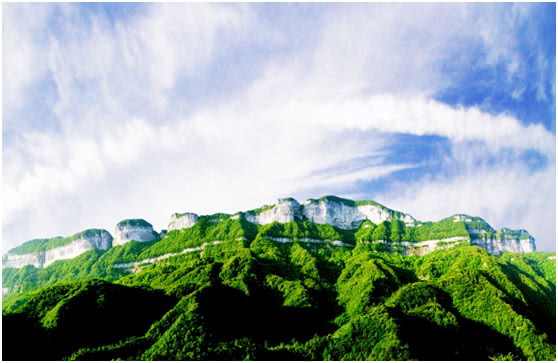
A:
x: 338, y: 212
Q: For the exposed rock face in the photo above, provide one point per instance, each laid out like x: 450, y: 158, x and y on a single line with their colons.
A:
x: 506, y: 243
x: 134, y: 230
x: 345, y: 216
x: 497, y: 242
x: 99, y: 239
x: 285, y: 211
x: 185, y: 220
x: 324, y: 211
x: 424, y: 247
x: 16, y: 261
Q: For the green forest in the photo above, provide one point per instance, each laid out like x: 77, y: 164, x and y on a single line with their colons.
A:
x: 252, y: 298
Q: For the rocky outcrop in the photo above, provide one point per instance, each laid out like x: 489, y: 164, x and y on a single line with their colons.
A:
x: 83, y: 242
x: 134, y: 230
x: 424, y: 247
x: 285, y: 211
x: 184, y: 220
x: 338, y: 212
x: 16, y: 261
x: 497, y: 242
x: 100, y: 241
x: 500, y: 243
x: 344, y: 215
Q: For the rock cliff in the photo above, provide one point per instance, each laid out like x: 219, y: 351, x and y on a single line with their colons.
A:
x: 503, y: 241
x: 347, y: 214
x: 496, y: 242
x: 286, y: 210
x: 184, y: 220
x: 338, y: 212
x: 45, y: 252
x: 134, y: 230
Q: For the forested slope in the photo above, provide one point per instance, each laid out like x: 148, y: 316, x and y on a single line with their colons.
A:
x: 252, y: 298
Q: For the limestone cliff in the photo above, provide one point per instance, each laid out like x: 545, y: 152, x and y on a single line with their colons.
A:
x: 134, y: 230
x: 347, y: 214
x: 286, y: 210
x: 184, y: 220
x: 338, y: 212
x: 41, y: 253
x: 504, y: 240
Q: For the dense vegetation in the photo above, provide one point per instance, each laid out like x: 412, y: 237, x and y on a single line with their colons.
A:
x: 252, y: 298
x: 42, y: 244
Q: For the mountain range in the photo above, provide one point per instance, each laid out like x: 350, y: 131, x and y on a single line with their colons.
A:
x: 328, y: 279
x: 363, y: 221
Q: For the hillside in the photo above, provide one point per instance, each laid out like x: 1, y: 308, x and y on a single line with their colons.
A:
x: 304, y: 301
x: 329, y: 279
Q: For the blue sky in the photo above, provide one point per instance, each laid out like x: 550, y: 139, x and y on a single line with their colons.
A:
x: 115, y: 111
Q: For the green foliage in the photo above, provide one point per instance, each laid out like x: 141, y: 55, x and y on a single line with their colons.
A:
x: 298, y: 230
x: 260, y: 210
x: 206, y: 229
x: 438, y: 230
x: 90, y: 264
x: 250, y: 297
x: 42, y: 244
x: 478, y: 224
x: 134, y: 223
x: 365, y: 281
x: 371, y: 336
x: 365, y: 231
x: 86, y: 314
x: 382, y: 232
x: 336, y: 199
x: 396, y: 231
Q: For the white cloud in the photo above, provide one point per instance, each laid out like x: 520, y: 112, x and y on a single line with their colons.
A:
x: 124, y: 150
x: 22, y: 46
x: 421, y: 116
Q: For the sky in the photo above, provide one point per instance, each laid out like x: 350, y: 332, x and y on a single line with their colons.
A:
x: 113, y: 111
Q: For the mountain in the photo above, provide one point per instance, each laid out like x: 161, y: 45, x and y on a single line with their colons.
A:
x: 328, y: 279
x: 402, y: 234
x: 43, y: 252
